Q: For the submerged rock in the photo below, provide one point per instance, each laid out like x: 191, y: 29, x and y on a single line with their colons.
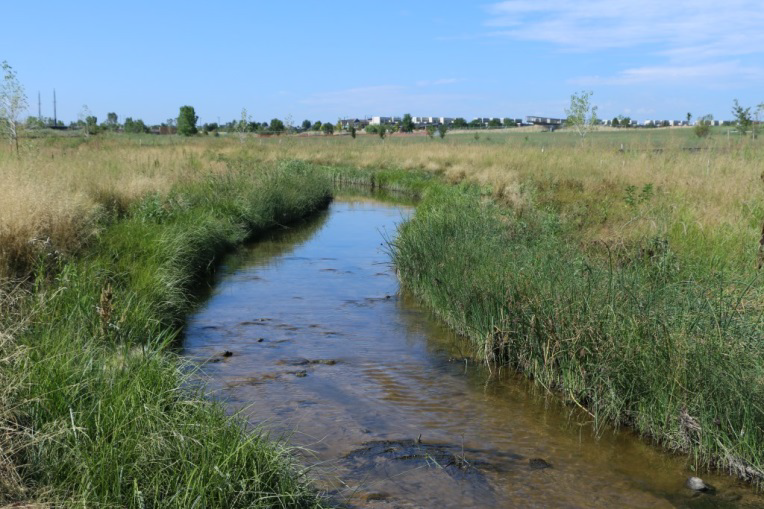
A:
x: 538, y: 464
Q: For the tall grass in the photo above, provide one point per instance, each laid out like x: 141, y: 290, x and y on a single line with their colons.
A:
x: 101, y: 413
x: 57, y: 196
x: 623, y: 278
x: 709, y: 203
x: 636, y: 338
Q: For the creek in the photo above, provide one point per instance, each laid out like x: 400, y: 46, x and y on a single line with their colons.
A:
x: 309, y: 336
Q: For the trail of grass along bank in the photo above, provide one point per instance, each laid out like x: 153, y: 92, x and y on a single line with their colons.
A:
x: 103, y: 416
x: 641, y: 340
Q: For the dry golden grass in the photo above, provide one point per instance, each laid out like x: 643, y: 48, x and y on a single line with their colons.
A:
x: 716, y: 192
x: 53, y: 196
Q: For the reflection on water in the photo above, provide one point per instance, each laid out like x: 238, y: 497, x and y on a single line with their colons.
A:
x: 310, y: 335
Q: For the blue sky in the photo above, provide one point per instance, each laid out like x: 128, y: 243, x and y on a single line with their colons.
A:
x: 324, y: 60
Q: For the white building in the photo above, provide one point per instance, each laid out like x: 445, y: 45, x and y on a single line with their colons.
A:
x: 384, y: 120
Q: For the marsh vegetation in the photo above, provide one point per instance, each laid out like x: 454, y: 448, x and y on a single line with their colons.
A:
x: 620, y: 274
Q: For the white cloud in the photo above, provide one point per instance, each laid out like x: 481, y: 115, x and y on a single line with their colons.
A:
x: 693, y: 38
x: 726, y: 28
x: 720, y: 73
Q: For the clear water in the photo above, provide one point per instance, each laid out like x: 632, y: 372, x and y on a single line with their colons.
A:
x: 389, y: 410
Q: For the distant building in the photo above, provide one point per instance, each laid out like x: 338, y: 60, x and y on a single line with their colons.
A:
x: 549, y: 122
x: 346, y: 123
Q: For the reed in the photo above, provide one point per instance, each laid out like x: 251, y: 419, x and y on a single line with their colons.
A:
x: 98, y: 410
x: 639, y: 338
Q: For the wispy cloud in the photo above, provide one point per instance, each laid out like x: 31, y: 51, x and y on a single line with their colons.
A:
x: 693, y: 38
x: 720, y: 73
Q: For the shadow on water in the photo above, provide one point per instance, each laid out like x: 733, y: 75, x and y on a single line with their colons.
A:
x: 311, y: 337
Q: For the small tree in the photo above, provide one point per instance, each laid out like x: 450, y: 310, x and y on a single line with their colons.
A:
x: 625, y: 121
x: 13, y: 101
x: 187, y: 121
x: 242, y: 127
x: 33, y: 123
x: 135, y: 127
x: 703, y: 126
x: 83, y: 120
x: 442, y: 130
x: 494, y: 122
x: 317, y: 125
x: 582, y: 116
x: 430, y: 131
x: 615, y: 122
x: 277, y: 126
x: 743, y: 117
x: 459, y: 123
x: 91, y: 124
x: 508, y: 122
x: 381, y: 131
x: 407, y: 125
x: 306, y: 125
x: 352, y: 131
x: 328, y: 128
x: 689, y: 117
x: 111, y: 121
x: 289, y: 124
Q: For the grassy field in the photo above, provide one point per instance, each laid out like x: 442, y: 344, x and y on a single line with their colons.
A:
x: 620, y: 272
x: 707, y: 203
x: 709, y: 198
x: 97, y: 410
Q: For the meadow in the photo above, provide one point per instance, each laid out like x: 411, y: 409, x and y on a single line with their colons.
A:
x: 620, y: 272
x: 97, y: 407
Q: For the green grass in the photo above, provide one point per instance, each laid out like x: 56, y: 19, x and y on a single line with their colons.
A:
x: 662, y: 332
x: 103, y: 412
x: 639, y: 337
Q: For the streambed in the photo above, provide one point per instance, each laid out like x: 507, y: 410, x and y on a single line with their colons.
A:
x: 308, y: 334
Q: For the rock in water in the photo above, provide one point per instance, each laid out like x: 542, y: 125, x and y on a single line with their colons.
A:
x: 538, y: 464
x: 696, y: 484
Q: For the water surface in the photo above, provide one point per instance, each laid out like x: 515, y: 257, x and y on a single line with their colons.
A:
x: 308, y: 333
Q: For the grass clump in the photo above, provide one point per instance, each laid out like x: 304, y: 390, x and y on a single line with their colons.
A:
x: 103, y: 412
x: 638, y: 337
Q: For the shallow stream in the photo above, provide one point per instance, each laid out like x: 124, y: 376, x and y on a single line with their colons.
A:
x: 308, y: 333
